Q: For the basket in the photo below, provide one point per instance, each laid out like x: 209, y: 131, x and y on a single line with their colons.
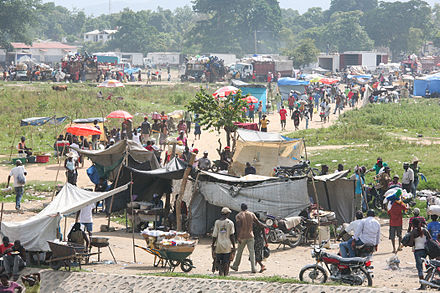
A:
x: 42, y: 158
x: 14, y: 160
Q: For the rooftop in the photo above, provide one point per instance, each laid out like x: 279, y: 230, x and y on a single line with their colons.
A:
x: 42, y: 45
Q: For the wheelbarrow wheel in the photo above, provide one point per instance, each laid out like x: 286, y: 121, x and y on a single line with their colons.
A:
x: 174, y: 263
x: 186, y: 265
x: 56, y: 265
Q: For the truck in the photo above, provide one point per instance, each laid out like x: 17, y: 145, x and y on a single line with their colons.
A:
x: 154, y: 59
x: 260, y: 67
x: 203, y: 69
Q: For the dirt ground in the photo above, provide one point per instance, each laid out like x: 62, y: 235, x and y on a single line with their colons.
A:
x: 286, y: 263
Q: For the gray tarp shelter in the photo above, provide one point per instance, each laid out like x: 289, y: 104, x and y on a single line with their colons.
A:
x: 37, y: 230
x: 108, y: 161
x: 274, y: 196
x: 337, y: 194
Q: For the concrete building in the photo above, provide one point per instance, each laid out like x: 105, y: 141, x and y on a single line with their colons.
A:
x: 337, y: 62
x: 99, y: 36
x: 44, y: 52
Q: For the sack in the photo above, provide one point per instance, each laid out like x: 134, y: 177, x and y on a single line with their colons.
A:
x: 406, y: 240
x: 266, y: 252
x: 21, y: 179
x: 432, y: 248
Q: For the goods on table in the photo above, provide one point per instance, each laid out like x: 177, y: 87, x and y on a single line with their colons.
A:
x: 154, y: 238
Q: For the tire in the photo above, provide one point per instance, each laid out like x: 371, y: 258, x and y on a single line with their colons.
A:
x: 377, y: 203
x: 271, y: 237
x: 214, y: 168
x: 313, y: 271
x: 296, y: 241
x: 186, y: 265
x: 367, y: 277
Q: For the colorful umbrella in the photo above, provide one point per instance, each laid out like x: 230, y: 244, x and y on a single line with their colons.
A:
x: 225, y: 91
x: 250, y: 99
x: 83, y: 130
x: 328, y: 80
x: 111, y: 83
x: 120, y: 114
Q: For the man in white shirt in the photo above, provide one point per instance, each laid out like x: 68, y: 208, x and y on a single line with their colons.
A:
x: 368, y: 231
x: 19, y: 173
x: 86, y: 218
x: 346, y: 248
x: 407, y: 177
x: 223, y: 241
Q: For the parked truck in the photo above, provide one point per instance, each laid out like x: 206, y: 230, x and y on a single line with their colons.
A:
x: 258, y: 68
x: 203, y: 69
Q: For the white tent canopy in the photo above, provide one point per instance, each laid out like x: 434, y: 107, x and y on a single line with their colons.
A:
x: 35, y: 231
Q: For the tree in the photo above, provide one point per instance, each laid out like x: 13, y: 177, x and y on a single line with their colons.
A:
x: 351, y: 5
x: 415, y: 40
x: 16, y: 17
x: 218, y: 113
x: 344, y: 32
x: 304, y: 54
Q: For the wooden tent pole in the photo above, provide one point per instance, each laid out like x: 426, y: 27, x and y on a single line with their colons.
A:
x: 65, y: 228
x: 132, y: 216
x: 58, y: 172
x: 182, y: 191
x: 1, y: 213
x: 316, y: 200
x: 12, y: 145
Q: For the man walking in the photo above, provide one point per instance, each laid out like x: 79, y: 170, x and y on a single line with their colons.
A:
x: 222, y: 240
x: 145, y: 130
x: 283, y: 113
x: 396, y: 215
x: 245, y: 236
x: 19, y: 173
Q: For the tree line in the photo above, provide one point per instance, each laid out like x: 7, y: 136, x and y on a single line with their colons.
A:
x: 234, y: 26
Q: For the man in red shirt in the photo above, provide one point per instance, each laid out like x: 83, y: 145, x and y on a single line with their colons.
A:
x: 396, y: 215
x: 6, y: 245
x: 291, y: 102
x: 283, y: 113
x: 251, y: 112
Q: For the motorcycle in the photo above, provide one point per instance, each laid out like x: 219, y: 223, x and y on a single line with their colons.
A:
x: 290, y: 231
x: 432, y: 278
x: 353, y: 271
x: 300, y: 169
x: 373, y: 195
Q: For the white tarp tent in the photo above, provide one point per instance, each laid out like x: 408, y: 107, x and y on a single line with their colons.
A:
x: 269, y: 195
x: 265, y: 150
x: 34, y: 232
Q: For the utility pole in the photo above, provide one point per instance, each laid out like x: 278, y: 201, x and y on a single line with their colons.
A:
x: 255, y: 42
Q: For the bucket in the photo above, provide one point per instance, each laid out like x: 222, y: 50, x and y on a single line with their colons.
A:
x: 31, y: 159
x: 324, y: 235
x: 43, y: 159
x: 14, y: 160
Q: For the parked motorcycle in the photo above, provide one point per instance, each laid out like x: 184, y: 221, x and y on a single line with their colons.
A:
x: 290, y: 231
x: 300, y: 169
x: 432, y: 278
x: 353, y: 271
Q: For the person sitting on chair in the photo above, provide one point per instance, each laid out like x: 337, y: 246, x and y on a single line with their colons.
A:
x: 78, y: 236
x: 14, y: 258
x: 22, y: 148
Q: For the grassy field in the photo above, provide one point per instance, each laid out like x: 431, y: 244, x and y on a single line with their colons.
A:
x: 377, y: 126
x: 34, y: 190
x: 25, y: 100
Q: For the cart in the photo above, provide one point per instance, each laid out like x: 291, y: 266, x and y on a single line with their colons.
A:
x: 64, y: 254
x: 172, y: 256
x: 168, y: 256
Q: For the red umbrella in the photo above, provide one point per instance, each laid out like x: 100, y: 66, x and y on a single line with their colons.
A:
x: 83, y: 130
x: 250, y: 99
x: 225, y: 91
x: 120, y: 114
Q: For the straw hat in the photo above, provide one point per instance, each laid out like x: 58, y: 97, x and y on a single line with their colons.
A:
x: 415, y: 160
x: 71, y: 155
x: 226, y: 211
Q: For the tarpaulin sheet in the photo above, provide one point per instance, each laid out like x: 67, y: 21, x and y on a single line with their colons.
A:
x: 288, y: 81
x: 259, y: 92
x: 112, y: 156
x: 278, y: 198
x: 38, y: 121
x: 89, y: 120
x: 420, y: 86
x: 147, y: 182
x: 251, y: 178
x: 37, y: 230
x: 337, y: 195
x: 258, y: 136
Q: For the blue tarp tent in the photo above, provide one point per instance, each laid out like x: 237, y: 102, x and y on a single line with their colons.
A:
x: 287, y: 84
x: 257, y: 90
x: 431, y: 82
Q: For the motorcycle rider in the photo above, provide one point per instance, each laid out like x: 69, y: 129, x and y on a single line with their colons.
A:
x: 346, y: 248
x: 204, y: 163
x: 367, y: 232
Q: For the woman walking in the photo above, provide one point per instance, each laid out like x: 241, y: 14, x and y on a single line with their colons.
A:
x: 163, y: 135
x: 260, y: 243
x: 419, y: 236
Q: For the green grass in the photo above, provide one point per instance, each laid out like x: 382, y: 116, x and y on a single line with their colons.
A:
x: 31, y: 188
x: 25, y: 100
x: 375, y: 122
x: 419, y: 204
x: 269, y: 279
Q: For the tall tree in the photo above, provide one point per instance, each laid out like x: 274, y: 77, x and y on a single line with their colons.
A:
x: 303, y: 54
x: 16, y: 17
x: 351, y: 5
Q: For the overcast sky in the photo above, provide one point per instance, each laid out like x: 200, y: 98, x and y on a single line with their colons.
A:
x: 98, y: 7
